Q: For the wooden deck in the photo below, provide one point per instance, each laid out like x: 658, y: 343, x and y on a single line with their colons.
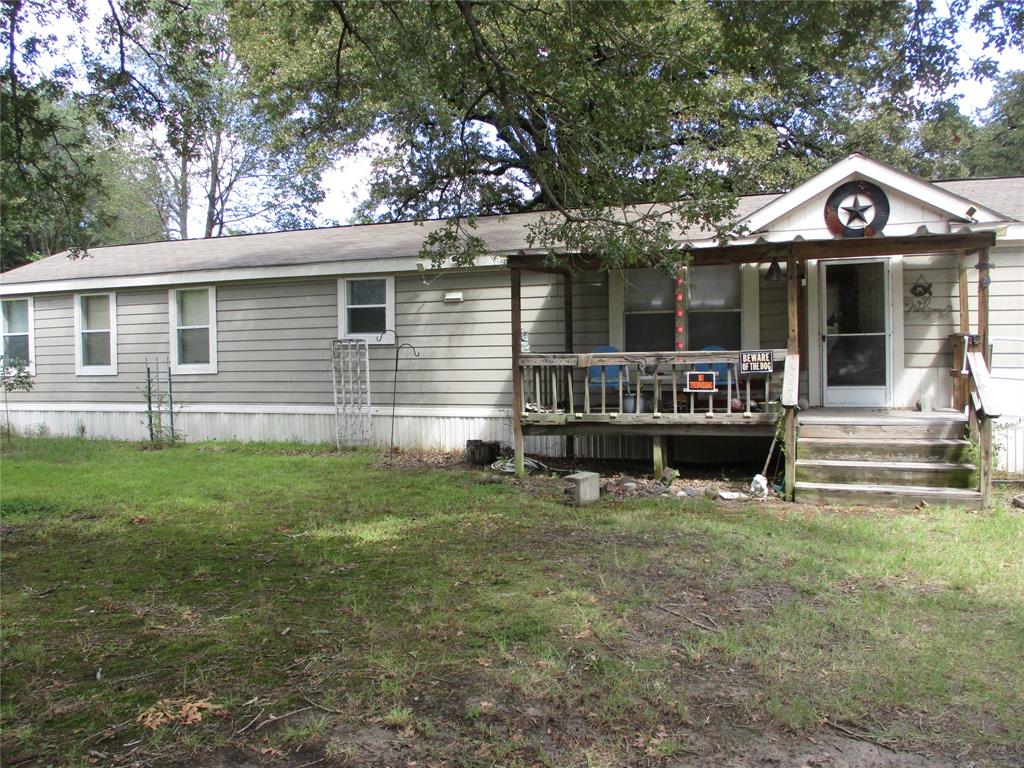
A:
x: 644, y: 394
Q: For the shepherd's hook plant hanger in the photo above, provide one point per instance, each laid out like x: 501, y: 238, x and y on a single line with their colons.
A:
x: 394, y: 386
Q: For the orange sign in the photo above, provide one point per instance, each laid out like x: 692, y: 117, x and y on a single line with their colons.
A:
x: 701, y: 381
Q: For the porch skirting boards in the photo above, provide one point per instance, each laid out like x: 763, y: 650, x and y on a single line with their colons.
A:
x: 416, y: 428
x: 445, y: 429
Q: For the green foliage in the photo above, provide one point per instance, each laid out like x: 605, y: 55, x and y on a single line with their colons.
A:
x: 998, y: 147
x: 45, y: 162
x: 583, y: 109
x: 15, y: 376
x: 170, y: 65
x: 64, y: 182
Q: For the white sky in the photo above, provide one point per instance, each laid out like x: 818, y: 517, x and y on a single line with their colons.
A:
x: 345, y: 185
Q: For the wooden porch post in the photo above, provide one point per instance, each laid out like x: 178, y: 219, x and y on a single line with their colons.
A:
x: 962, y: 389
x: 985, y: 421
x: 792, y: 348
x: 983, y: 283
x: 517, y: 372
x: 570, y: 438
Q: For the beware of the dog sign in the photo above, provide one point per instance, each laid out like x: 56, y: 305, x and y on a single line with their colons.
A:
x: 701, y: 381
x: 756, y: 361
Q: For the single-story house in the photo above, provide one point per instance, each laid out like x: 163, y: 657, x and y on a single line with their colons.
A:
x: 892, y: 309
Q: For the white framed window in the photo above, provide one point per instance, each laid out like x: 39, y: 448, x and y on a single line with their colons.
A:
x: 17, y: 326
x: 193, y: 318
x: 649, y: 312
x: 366, y: 308
x: 95, y: 334
x: 714, y: 307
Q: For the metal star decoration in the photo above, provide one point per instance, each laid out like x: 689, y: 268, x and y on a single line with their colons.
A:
x: 856, y: 211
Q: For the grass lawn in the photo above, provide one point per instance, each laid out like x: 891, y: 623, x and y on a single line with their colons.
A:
x: 289, y: 606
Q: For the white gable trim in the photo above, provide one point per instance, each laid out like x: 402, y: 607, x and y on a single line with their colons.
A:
x: 953, y: 205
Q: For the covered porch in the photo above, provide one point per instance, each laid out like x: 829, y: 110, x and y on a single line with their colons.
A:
x: 615, y: 392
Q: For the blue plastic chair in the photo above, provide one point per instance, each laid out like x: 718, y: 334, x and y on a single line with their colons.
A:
x: 721, y: 370
x: 611, y: 373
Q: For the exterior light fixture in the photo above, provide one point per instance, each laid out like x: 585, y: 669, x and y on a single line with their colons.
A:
x: 774, y: 272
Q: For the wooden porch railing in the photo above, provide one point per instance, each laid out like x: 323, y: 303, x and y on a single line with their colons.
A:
x: 981, y: 410
x: 640, y: 386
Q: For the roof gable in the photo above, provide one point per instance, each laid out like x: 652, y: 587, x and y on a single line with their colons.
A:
x: 918, y: 200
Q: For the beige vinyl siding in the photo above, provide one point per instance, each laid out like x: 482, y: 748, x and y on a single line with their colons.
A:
x: 274, y: 342
x: 774, y: 312
x: 1006, y: 305
x: 273, y: 345
x: 466, y: 348
x: 926, y: 335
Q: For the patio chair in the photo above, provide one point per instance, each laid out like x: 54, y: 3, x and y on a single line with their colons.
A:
x: 721, y: 370
x: 610, y: 384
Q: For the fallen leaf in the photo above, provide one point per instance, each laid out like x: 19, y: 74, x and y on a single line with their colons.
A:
x: 184, y: 711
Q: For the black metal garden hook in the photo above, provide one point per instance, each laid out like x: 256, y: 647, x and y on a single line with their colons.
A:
x: 394, y: 388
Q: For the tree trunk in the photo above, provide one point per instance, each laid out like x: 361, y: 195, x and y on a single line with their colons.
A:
x: 183, y: 196
x: 213, y: 187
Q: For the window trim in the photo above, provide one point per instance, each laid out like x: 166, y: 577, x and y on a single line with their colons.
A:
x: 31, y: 332
x: 749, y: 309
x: 389, y: 310
x: 172, y: 315
x: 81, y: 369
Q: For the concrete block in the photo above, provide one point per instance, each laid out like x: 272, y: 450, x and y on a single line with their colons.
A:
x: 585, y: 488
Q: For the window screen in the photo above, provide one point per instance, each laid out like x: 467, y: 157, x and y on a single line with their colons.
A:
x: 95, y: 330
x: 366, y: 306
x: 16, y: 332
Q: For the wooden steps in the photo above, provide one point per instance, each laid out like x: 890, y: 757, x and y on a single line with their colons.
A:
x: 850, y: 494
x: 885, y: 459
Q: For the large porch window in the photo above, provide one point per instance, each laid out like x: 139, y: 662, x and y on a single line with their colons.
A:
x: 650, y: 307
x: 713, y: 309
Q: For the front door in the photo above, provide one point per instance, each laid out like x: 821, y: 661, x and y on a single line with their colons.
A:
x: 856, y: 343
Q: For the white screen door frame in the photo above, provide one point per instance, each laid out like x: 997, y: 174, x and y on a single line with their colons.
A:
x: 845, y: 393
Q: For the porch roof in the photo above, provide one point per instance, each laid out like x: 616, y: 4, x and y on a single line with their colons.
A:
x: 799, y: 249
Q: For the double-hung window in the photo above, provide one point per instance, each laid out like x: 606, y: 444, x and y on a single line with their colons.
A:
x: 366, y: 308
x: 714, y: 307
x: 649, y: 311
x: 193, y: 316
x: 96, y: 334
x: 17, y: 327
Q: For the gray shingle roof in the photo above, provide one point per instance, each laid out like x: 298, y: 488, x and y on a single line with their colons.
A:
x: 503, y: 235
x: 1003, y: 195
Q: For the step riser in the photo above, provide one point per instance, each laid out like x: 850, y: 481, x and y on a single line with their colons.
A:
x: 946, y: 478
x: 880, y: 450
x: 941, y: 430
x: 866, y: 498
